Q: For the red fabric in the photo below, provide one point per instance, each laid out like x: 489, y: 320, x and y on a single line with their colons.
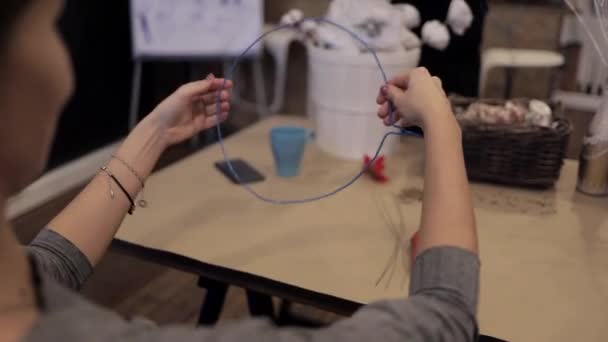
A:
x: 376, y: 170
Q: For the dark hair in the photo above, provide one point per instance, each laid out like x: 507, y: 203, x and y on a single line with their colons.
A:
x: 10, y: 11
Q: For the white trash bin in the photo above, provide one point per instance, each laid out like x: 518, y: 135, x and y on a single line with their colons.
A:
x: 342, y: 90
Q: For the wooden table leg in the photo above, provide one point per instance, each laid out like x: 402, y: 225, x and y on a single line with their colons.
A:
x: 260, y: 305
x: 213, y: 302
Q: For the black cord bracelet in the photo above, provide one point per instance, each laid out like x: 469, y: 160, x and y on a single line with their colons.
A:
x: 122, y: 188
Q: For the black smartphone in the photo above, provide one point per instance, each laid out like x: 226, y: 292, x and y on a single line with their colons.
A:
x: 245, y: 172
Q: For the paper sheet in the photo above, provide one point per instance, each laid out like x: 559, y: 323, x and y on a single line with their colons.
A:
x: 194, y: 28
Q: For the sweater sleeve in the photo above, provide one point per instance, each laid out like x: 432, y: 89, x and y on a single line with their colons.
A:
x: 441, y: 307
x: 59, y: 259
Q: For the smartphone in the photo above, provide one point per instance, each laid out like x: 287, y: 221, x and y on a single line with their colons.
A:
x: 246, y: 173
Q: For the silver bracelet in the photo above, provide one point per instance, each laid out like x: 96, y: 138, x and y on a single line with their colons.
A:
x: 131, y: 169
x: 141, y: 202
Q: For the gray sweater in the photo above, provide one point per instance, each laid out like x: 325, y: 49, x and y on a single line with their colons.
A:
x: 442, y: 306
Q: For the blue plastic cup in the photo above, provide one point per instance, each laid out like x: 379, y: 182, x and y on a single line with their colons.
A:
x: 288, y: 145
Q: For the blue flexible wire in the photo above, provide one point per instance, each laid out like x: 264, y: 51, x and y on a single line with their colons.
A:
x: 402, y: 131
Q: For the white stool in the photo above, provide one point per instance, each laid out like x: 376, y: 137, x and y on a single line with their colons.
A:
x: 512, y: 59
x: 591, y: 74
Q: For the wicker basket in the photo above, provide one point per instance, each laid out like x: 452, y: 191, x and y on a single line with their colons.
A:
x: 528, y: 156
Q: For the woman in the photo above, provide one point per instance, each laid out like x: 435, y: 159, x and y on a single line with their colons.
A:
x: 38, y: 301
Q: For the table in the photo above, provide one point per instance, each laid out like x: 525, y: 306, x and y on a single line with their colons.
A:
x: 544, y: 253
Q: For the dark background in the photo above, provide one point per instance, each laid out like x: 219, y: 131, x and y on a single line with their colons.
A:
x: 98, y: 36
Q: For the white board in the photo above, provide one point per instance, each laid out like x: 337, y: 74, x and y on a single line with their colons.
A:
x: 194, y: 28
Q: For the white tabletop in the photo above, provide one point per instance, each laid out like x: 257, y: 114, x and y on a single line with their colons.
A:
x: 544, y: 253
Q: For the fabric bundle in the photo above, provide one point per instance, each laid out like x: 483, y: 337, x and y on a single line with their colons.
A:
x: 535, y: 113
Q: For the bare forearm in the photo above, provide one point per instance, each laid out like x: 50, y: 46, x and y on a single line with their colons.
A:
x: 447, y: 215
x: 92, y: 219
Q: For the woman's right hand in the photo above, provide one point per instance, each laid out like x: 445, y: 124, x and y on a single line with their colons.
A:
x: 417, y: 97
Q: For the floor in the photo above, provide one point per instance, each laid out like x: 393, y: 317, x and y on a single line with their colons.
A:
x: 169, y: 296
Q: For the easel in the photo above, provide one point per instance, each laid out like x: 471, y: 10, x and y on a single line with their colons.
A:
x: 141, y: 57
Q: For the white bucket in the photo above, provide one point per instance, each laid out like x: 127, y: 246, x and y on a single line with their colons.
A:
x: 342, y: 91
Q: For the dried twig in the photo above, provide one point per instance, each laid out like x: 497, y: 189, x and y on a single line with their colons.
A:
x: 589, y: 32
x: 398, y: 232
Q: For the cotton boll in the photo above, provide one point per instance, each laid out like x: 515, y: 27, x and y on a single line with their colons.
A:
x: 409, y: 39
x: 481, y: 113
x: 285, y: 20
x: 460, y: 17
x: 540, y: 107
x: 471, y: 113
x: 489, y: 115
x: 309, y: 26
x: 539, y: 113
x: 436, y: 35
x: 296, y: 14
x: 288, y: 19
x: 515, y: 113
x: 410, y: 16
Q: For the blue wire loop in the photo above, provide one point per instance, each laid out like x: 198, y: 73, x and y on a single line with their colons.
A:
x: 401, y: 130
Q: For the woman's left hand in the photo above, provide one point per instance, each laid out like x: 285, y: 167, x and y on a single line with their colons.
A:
x: 189, y: 110
x: 192, y: 109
